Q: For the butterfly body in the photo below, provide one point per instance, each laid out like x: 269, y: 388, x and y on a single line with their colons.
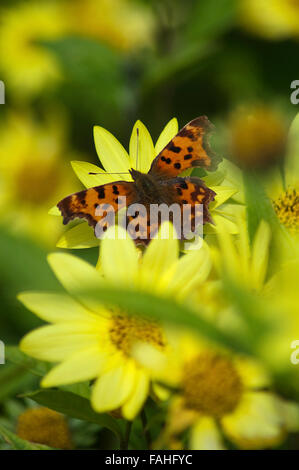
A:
x: 161, y: 185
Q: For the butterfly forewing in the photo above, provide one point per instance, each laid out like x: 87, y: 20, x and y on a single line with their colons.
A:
x: 93, y: 204
x: 189, y: 148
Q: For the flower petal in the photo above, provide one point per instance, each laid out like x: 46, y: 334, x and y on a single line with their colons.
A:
x: 119, y: 257
x: 168, y: 133
x: 205, y: 435
x: 222, y: 195
x: 114, y: 387
x: 54, y: 211
x: 78, y: 237
x: 142, y: 160
x: 58, y: 342
x: 256, y: 423
x: 82, y: 170
x: 221, y: 224
x: 112, y: 154
x: 55, y: 308
x: 85, y: 365
x: 191, y: 270
x: 141, y: 389
x: 76, y: 275
x: 160, y: 255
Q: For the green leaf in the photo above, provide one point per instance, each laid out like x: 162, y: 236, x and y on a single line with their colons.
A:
x: 75, y: 406
x: 20, y: 444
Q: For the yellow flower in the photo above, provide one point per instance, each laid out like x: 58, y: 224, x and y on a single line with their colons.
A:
x: 44, y: 426
x: 32, y: 175
x: 115, y: 159
x: 272, y: 19
x: 219, y: 393
x: 28, y: 67
x: 258, y: 136
x: 120, y: 23
x: 284, y: 192
x: 89, y: 341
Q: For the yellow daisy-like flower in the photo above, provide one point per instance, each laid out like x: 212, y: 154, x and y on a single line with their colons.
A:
x: 272, y: 19
x: 32, y: 175
x: 89, y: 341
x: 28, y: 67
x: 115, y: 159
x: 219, y: 393
x: 285, y: 193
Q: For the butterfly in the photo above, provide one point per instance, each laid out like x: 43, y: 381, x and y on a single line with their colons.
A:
x: 161, y: 185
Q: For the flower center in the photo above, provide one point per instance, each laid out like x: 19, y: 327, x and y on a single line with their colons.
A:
x: 36, y: 183
x: 287, y: 209
x: 127, y: 330
x: 211, y: 385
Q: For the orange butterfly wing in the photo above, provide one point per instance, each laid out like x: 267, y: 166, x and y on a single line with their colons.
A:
x: 192, y: 191
x: 95, y: 203
x: 189, y: 148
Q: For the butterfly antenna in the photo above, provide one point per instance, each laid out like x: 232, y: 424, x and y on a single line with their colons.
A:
x: 137, y: 153
x: 91, y: 173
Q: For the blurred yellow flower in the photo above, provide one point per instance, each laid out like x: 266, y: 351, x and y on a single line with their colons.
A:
x: 115, y: 159
x: 27, y: 66
x: 32, y: 175
x: 258, y: 136
x: 219, y: 393
x: 90, y: 341
x: 44, y: 426
x: 272, y: 19
x: 121, y: 23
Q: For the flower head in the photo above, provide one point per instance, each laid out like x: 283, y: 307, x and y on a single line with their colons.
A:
x: 90, y: 341
x: 219, y: 392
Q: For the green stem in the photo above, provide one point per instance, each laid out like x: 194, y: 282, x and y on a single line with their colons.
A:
x: 147, y: 434
x: 125, y: 442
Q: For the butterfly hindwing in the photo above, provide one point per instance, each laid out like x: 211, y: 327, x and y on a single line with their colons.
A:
x: 194, y: 192
x: 189, y: 148
x: 93, y: 204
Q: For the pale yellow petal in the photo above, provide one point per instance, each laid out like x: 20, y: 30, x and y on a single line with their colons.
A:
x: 252, y: 373
x: 205, y: 435
x: 168, y: 133
x: 119, y: 257
x: 142, y: 150
x: 292, y: 164
x: 256, y: 423
x: 114, y: 387
x: 76, y: 275
x: 58, y: 342
x: 221, y: 224
x: 191, y: 270
x: 54, y: 211
x: 82, y: 170
x: 160, y: 255
x: 222, y: 195
x: 55, y: 308
x: 112, y: 154
x: 140, y: 392
x: 78, y: 237
x: 85, y: 365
